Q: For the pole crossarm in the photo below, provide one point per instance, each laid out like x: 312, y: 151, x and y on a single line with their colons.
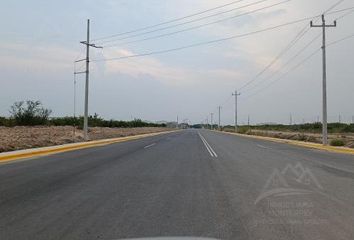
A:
x: 80, y: 72
x: 324, y: 25
x: 90, y: 44
x: 81, y: 60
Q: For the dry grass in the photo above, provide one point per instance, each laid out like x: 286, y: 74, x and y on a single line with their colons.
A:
x: 348, y: 139
x: 17, y: 138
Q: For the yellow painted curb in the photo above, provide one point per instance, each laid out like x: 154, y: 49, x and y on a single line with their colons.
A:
x: 45, y: 151
x: 298, y: 143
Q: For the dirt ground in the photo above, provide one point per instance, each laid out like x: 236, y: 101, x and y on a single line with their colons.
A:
x: 17, y: 138
x: 347, y: 138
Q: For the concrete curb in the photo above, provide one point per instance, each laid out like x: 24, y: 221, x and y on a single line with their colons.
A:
x: 317, y: 146
x: 45, y: 151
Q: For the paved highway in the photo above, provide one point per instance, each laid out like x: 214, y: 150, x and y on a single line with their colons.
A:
x: 187, y: 183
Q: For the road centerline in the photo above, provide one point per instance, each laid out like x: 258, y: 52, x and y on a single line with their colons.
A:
x: 262, y: 146
x: 149, y: 146
x: 207, y: 146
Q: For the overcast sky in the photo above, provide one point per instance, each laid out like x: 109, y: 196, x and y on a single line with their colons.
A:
x: 40, y: 41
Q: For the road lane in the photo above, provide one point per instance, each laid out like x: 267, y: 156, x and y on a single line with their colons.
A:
x: 332, y: 207
x: 175, y: 187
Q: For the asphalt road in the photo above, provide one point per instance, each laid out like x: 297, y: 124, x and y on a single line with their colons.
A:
x: 187, y: 183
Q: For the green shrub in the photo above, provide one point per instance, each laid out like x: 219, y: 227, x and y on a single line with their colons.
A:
x: 7, y: 122
x: 96, y: 121
x: 29, y: 113
x: 243, y: 130
x: 337, y: 143
x: 307, y: 127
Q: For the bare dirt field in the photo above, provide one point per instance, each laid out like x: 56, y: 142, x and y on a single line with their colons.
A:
x: 347, y: 138
x: 17, y: 138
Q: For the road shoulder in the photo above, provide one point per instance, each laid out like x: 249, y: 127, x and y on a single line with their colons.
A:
x: 46, y: 151
x: 343, y: 150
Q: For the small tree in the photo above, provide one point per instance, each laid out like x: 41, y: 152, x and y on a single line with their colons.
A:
x: 29, y: 113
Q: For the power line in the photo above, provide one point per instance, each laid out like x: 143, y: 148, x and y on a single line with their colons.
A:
x: 198, y: 26
x: 341, y: 10
x: 226, y: 101
x: 293, y: 58
x: 297, y: 38
x: 167, y: 22
x: 344, y: 15
x: 303, y: 49
x: 191, y: 21
x: 333, y: 6
x: 292, y: 43
x: 208, y: 42
x: 285, y: 50
x: 295, y: 67
x: 303, y: 61
x: 152, y: 26
x: 340, y: 40
x: 217, y: 40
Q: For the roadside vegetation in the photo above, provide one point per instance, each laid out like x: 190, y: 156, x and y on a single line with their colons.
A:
x: 30, y: 125
x: 307, y: 127
x: 33, y: 113
x: 340, y: 134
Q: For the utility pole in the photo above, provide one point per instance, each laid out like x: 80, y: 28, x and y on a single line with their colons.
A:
x: 291, y: 119
x: 74, y: 130
x: 219, y: 124
x: 236, y: 95
x: 248, y: 120
x: 177, y: 126
x: 211, y: 121
x: 87, y: 72
x: 87, y: 80
x: 324, y: 80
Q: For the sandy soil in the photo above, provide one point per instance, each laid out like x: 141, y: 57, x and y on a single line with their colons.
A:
x: 17, y: 138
